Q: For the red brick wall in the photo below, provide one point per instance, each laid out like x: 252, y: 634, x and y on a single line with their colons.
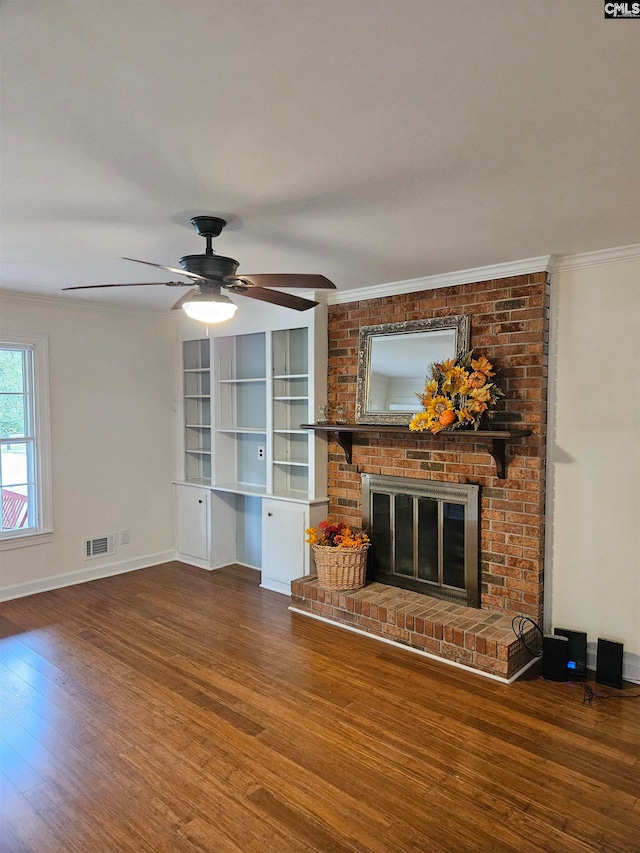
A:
x: 509, y: 324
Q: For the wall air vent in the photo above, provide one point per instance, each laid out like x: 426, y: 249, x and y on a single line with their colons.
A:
x: 101, y: 546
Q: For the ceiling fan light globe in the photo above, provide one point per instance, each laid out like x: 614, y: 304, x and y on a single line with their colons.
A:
x: 210, y: 309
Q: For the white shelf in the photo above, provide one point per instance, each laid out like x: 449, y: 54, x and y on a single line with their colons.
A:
x: 199, y: 451
x: 292, y: 464
x: 305, y: 397
x: 243, y: 430
x: 198, y: 426
x: 240, y: 488
x: 290, y: 431
x: 196, y: 370
x: 242, y: 381
x: 291, y: 376
x: 197, y: 396
x: 292, y: 495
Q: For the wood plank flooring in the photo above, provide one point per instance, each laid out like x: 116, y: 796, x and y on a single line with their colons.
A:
x: 177, y: 710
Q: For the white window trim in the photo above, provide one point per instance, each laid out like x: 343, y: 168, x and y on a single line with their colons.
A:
x: 44, y: 531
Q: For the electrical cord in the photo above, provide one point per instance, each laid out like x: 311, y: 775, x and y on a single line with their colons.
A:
x: 590, y: 695
x: 519, y: 631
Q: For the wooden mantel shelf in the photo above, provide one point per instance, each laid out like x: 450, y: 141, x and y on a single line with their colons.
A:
x: 497, y: 449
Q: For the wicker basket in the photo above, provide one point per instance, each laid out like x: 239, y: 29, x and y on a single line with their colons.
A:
x: 340, y: 568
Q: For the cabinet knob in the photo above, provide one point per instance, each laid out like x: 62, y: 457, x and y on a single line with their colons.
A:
x: 200, y: 501
x: 269, y: 514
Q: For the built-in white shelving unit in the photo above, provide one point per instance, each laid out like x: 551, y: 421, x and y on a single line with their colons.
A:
x: 240, y: 379
x: 290, y: 399
x: 196, y: 362
x: 246, y: 395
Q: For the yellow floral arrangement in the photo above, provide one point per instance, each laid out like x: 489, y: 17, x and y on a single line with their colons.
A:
x: 336, y: 535
x: 459, y: 392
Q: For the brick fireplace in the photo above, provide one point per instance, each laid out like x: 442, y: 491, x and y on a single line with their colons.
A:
x: 509, y: 324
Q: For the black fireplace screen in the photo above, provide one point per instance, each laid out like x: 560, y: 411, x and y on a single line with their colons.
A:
x: 424, y: 536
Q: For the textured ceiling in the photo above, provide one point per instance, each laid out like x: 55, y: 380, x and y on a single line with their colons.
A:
x: 371, y: 141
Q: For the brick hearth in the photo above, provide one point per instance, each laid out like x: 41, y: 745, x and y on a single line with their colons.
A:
x: 476, y: 638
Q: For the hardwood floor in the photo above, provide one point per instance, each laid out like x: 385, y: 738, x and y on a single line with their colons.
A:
x: 173, y: 709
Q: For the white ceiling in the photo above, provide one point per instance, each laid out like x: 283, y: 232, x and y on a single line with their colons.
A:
x: 372, y: 141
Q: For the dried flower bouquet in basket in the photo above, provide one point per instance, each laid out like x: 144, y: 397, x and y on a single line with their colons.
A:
x: 340, y: 555
x: 336, y: 535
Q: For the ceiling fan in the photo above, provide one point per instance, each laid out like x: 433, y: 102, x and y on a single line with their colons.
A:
x: 211, y: 274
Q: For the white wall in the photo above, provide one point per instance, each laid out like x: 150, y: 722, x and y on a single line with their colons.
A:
x: 114, y: 439
x: 593, y: 518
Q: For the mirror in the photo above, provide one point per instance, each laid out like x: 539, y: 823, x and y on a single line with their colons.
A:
x: 393, y: 360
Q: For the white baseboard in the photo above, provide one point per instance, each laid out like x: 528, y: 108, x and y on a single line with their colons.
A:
x: 194, y: 561
x: 8, y: 593
x: 207, y: 566
x: 276, y: 586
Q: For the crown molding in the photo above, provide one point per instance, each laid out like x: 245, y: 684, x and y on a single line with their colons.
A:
x: 595, y: 259
x: 431, y: 282
x: 69, y: 304
x: 549, y: 263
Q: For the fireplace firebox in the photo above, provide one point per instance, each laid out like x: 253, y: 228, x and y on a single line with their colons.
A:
x: 424, y: 536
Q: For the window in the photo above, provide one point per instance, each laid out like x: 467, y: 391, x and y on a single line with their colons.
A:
x: 25, y: 480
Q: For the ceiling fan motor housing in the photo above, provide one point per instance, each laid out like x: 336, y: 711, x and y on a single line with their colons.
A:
x: 210, y: 266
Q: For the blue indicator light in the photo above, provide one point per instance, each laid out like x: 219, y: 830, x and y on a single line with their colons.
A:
x: 571, y: 664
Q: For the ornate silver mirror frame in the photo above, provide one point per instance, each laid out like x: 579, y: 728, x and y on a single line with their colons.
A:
x: 393, y: 359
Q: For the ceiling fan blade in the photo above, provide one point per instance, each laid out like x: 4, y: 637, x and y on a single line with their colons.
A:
x: 287, y: 300
x: 192, y: 275
x: 132, y: 284
x: 314, y: 282
x: 185, y: 298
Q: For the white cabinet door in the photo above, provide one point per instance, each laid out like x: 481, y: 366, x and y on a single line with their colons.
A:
x: 283, y: 544
x: 193, y: 522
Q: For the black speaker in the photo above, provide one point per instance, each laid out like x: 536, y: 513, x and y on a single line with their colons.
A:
x: 609, y: 663
x: 577, y: 662
x: 555, y: 655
